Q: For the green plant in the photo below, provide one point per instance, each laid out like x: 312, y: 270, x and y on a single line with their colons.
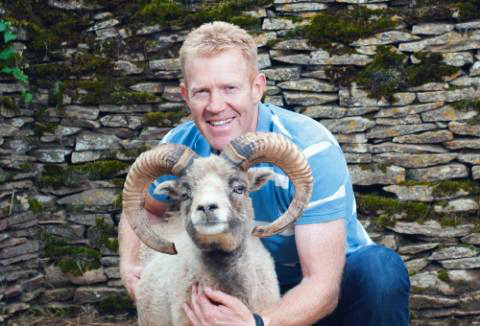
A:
x: 9, y: 59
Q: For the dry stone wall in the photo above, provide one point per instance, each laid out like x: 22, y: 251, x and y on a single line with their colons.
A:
x: 109, y: 90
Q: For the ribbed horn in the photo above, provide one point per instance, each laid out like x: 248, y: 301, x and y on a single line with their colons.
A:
x: 252, y: 148
x: 163, y: 159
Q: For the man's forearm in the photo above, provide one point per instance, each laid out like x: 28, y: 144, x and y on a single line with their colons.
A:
x: 304, y: 304
x: 128, y: 242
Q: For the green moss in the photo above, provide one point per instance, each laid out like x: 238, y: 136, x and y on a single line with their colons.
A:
x: 9, y: 102
x: 451, y: 187
x: 330, y: 28
x: 99, y: 169
x: 35, y: 206
x: 74, y: 259
x: 113, y: 304
x: 172, y: 13
x: 389, y: 72
x: 443, y: 276
x: 104, y: 234
x: 389, y: 207
x: 163, y: 119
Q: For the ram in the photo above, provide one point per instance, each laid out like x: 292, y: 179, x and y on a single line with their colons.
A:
x: 213, y: 230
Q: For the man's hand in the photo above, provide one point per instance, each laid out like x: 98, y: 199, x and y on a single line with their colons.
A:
x: 211, y: 307
x: 130, y: 274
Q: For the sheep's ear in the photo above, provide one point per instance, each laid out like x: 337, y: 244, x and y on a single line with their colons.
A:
x: 258, y: 178
x: 167, y: 188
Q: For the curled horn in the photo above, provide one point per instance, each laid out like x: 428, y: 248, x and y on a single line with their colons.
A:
x: 252, y: 148
x: 163, y: 159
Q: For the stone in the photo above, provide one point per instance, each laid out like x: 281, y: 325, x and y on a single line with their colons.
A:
x: 323, y: 58
x: 92, y: 197
x: 58, y: 294
x: 114, y: 121
x: 429, y: 137
x: 93, y: 294
x: 51, y: 155
x: 70, y: 232
x: 358, y: 158
x: 21, y: 249
x: 351, y: 138
x: 358, y: 97
x: 89, y: 277
x: 104, y: 24
x: 448, y: 96
x: 417, y: 248
x: 466, y: 129
x: 281, y: 74
x: 90, y: 219
x: 447, y: 113
x: 307, y: 99
x: 422, y: 301
x: 473, y: 239
x: 429, y: 281
x: 110, y: 261
x: 476, y: 172
x: 355, y: 148
x: 6, y: 130
x: 55, y: 277
x: 468, y: 26
x: 421, y: 193
x: 447, y: 42
x: 300, y: 7
x: 458, y: 205
x: 151, y: 87
x: 441, y: 172
x: 90, y: 141
x: 416, y: 265
x: 457, y: 59
x: 401, y: 111
x: 112, y: 272
x: 432, y: 28
x: 387, y: 132
x: 406, y: 148
x: 307, y: 85
x: 106, y: 33
x: 293, y: 44
x: 172, y: 93
x: 475, y: 69
x: 73, y: 5
x: 431, y: 228
x: 165, y: 64
x: 11, y: 88
x: 272, y: 24
x: 384, y: 38
x: 462, y: 144
x: 86, y: 156
x: 364, y: 176
x: 462, y: 263
x: 466, y: 81
x: 263, y: 61
x: 348, y: 125
x: 324, y: 111
x: 127, y: 67
x: 453, y: 252
x: 413, y: 160
x: 262, y: 39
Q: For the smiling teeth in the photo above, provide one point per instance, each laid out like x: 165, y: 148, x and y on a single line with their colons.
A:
x: 220, y: 123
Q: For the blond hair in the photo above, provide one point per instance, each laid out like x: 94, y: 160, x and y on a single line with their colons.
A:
x: 217, y: 37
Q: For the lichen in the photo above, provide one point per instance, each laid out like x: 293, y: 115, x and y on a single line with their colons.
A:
x: 164, y: 119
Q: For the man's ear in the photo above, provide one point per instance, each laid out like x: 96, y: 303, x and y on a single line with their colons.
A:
x: 184, y: 91
x: 167, y: 188
x: 258, y: 177
x: 258, y: 87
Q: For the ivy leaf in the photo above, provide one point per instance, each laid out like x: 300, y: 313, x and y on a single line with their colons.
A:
x: 27, y: 96
x: 7, y: 53
x: 19, y: 75
x: 9, y: 36
x: 3, y: 25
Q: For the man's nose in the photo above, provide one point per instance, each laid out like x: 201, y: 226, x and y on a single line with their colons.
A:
x: 217, y: 102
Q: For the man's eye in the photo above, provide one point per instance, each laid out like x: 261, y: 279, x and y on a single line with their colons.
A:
x: 240, y: 189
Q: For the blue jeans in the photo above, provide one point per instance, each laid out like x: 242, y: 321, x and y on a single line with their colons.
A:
x: 374, y: 291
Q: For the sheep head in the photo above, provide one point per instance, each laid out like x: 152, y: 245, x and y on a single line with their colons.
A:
x: 239, y: 155
x: 213, y: 197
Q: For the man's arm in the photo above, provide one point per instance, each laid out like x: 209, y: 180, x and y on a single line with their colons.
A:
x: 129, y: 245
x: 321, y: 249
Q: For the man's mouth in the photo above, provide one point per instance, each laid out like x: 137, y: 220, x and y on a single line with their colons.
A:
x: 219, y: 123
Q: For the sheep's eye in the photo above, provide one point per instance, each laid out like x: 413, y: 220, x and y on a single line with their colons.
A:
x: 240, y: 189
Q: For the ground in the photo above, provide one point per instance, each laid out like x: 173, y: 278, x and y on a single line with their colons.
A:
x: 85, y: 317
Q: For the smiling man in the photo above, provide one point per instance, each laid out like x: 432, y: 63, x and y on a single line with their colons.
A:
x: 329, y: 271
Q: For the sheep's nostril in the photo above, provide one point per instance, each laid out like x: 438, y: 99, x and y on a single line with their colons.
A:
x: 207, y: 208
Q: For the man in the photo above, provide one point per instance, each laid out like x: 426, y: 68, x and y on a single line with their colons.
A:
x: 329, y: 270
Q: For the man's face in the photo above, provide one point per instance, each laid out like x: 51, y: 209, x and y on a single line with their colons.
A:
x: 222, y: 93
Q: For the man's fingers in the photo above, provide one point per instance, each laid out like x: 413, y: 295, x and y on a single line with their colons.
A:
x: 220, y: 297
x: 190, y: 314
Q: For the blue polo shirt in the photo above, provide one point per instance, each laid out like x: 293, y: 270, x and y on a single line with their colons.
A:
x: 332, y: 195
